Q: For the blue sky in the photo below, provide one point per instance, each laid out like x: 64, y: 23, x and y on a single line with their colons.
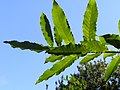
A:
x: 19, y: 20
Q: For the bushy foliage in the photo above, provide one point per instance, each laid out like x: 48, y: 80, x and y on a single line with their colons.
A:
x: 90, y: 77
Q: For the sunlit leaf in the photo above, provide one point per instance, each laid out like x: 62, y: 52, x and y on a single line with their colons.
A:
x: 108, y: 55
x: 46, y: 29
x: 53, y: 58
x: 94, y: 46
x: 57, y: 68
x: 89, y: 57
x: 89, y: 22
x: 61, y: 24
x: 57, y: 37
x: 112, y: 67
x: 112, y: 39
x: 27, y: 45
x: 119, y: 27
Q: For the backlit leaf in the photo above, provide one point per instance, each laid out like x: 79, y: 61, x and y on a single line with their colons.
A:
x: 57, y: 68
x: 89, y: 57
x: 46, y: 29
x: 108, y: 55
x: 94, y: 46
x: 53, y: 58
x: 57, y: 37
x: 89, y: 22
x: 27, y: 45
x: 61, y: 24
x: 119, y: 27
x: 112, y: 67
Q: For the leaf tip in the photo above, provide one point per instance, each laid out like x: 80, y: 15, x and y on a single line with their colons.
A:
x: 5, y: 41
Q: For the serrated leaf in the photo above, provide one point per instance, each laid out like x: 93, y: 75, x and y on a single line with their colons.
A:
x: 57, y: 68
x: 89, y: 57
x: 53, y: 58
x: 46, y: 29
x: 57, y: 37
x: 112, y: 39
x: 61, y: 24
x: 112, y: 67
x: 27, y: 45
x: 68, y: 49
x: 94, y: 46
x: 119, y: 27
x: 89, y: 22
x: 108, y: 55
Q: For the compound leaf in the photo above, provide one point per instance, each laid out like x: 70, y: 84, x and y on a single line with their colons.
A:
x: 46, y: 29
x: 57, y: 68
x: 89, y: 22
x: 61, y: 24
x: 112, y: 67
x: 27, y: 45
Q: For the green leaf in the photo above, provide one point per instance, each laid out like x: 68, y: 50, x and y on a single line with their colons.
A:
x: 27, y: 45
x: 102, y: 40
x: 108, y: 55
x: 94, y: 46
x: 53, y: 58
x: 57, y: 68
x: 89, y: 57
x: 112, y: 67
x: 85, y: 47
x: 112, y: 39
x: 57, y: 37
x: 46, y: 29
x: 68, y: 49
x: 61, y: 24
x: 119, y: 27
x: 89, y: 22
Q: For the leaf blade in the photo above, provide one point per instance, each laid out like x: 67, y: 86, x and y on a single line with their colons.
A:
x: 57, y: 37
x: 108, y: 55
x: 61, y: 24
x: 68, y: 49
x: 27, y: 45
x: 119, y: 27
x: 112, y: 67
x: 89, y: 22
x: 89, y: 57
x: 53, y: 58
x: 112, y: 39
x: 46, y: 29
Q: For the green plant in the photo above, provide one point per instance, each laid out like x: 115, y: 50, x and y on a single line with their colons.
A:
x: 90, y: 77
x: 66, y: 51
